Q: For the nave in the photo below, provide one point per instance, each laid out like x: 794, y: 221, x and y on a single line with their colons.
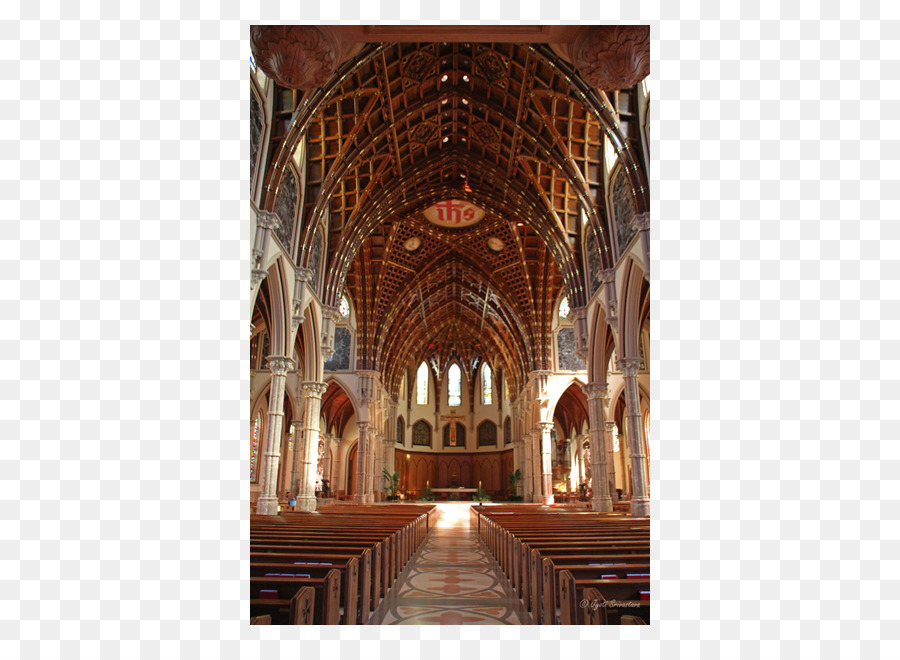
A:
x: 450, y: 564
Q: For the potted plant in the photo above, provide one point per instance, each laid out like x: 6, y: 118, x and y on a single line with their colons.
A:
x: 514, y: 479
x: 392, y: 483
x: 427, y: 496
x: 481, y: 496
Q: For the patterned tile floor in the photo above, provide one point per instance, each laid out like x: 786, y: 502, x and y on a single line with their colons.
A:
x: 452, y: 579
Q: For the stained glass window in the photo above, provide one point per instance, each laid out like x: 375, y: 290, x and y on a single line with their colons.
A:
x: 422, y: 384
x: 254, y: 448
x: 486, y: 384
x: 344, y: 307
x: 252, y: 63
x: 454, y: 386
x: 564, y: 308
x: 615, y: 438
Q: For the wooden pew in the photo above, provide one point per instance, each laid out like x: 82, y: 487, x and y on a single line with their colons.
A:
x: 349, y: 577
x: 324, y: 606
x: 522, y: 538
x: 550, y: 588
x: 604, y: 598
x: 368, y: 579
x: 382, y: 538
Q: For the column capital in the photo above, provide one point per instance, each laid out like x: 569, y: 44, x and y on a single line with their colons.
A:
x: 629, y: 366
x: 314, y: 389
x: 362, y: 426
x: 596, y: 390
x: 303, y: 274
x: 280, y: 364
x: 330, y: 312
x: 610, y: 426
x: 268, y: 220
x: 546, y: 427
x: 608, y: 275
x: 641, y: 222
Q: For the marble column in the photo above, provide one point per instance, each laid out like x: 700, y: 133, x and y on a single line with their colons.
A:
x: 536, y: 465
x: 600, y: 501
x: 517, y: 465
x: 546, y: 465
x: 267, y: 504
x: 309, y: 445
x: 336, y: 476
x: 361, y: 452
x: 527, y: 482
x: 611, y: 461
x: 580, y: 440
x: 378, y: 472
x: 371, y: 447
x: 326, y: 467
x: 640, y: 500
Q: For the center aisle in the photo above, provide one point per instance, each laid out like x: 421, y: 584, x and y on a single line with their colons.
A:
x: 451, y: 580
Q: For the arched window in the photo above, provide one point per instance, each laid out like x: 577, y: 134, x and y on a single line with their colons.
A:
x: 454, y: 386
x: 254, y: 448
x: 564, y: 308
x: 616, y: 437
x: 422, y: 384
x: 344, y: 307
x: 487, y: 385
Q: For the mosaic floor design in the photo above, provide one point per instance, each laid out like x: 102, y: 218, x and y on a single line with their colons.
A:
x: 451, y: 580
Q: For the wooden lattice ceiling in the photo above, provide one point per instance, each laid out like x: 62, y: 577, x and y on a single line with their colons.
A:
x: 500, y: 125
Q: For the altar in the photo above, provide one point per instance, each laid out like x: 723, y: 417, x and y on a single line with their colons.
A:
x: 454, y: 490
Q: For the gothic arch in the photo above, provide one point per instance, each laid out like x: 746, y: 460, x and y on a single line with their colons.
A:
x: 633, y: 284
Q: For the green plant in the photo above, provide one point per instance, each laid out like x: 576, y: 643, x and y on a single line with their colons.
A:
x: 427, y: 496
x: 514, y: 479
x: 481, y: 496
x: 392, y: 484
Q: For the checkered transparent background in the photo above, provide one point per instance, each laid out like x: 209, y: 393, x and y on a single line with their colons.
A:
x: 126, y: 243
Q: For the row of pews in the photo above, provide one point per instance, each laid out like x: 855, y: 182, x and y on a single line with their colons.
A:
x: 570, y: 566
x: 330, y: 567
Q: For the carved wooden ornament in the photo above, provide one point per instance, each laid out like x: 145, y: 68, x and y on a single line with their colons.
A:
x: 295, y: 56
x: 613, y: 56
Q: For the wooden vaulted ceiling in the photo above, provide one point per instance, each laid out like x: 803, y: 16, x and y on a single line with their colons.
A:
x: 408, y: 125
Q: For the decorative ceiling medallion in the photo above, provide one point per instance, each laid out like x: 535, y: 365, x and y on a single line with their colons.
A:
x: 423, y: 132
x: 418, y: 65
x: 495, y: 244
x: 486, y: 133
x: 454, y: 213
x: 412, y: 244
x: 491, y: 66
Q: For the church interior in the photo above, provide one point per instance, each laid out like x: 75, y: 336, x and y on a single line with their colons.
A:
x: 449, y: 351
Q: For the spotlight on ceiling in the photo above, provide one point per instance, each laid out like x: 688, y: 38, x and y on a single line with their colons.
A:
x: 444, y: 78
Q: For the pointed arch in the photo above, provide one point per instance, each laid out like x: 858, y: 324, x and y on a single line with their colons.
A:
x: 454, y: 385
x: 633, y: 286
x: 487, y: 384
x: 422, y: 384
